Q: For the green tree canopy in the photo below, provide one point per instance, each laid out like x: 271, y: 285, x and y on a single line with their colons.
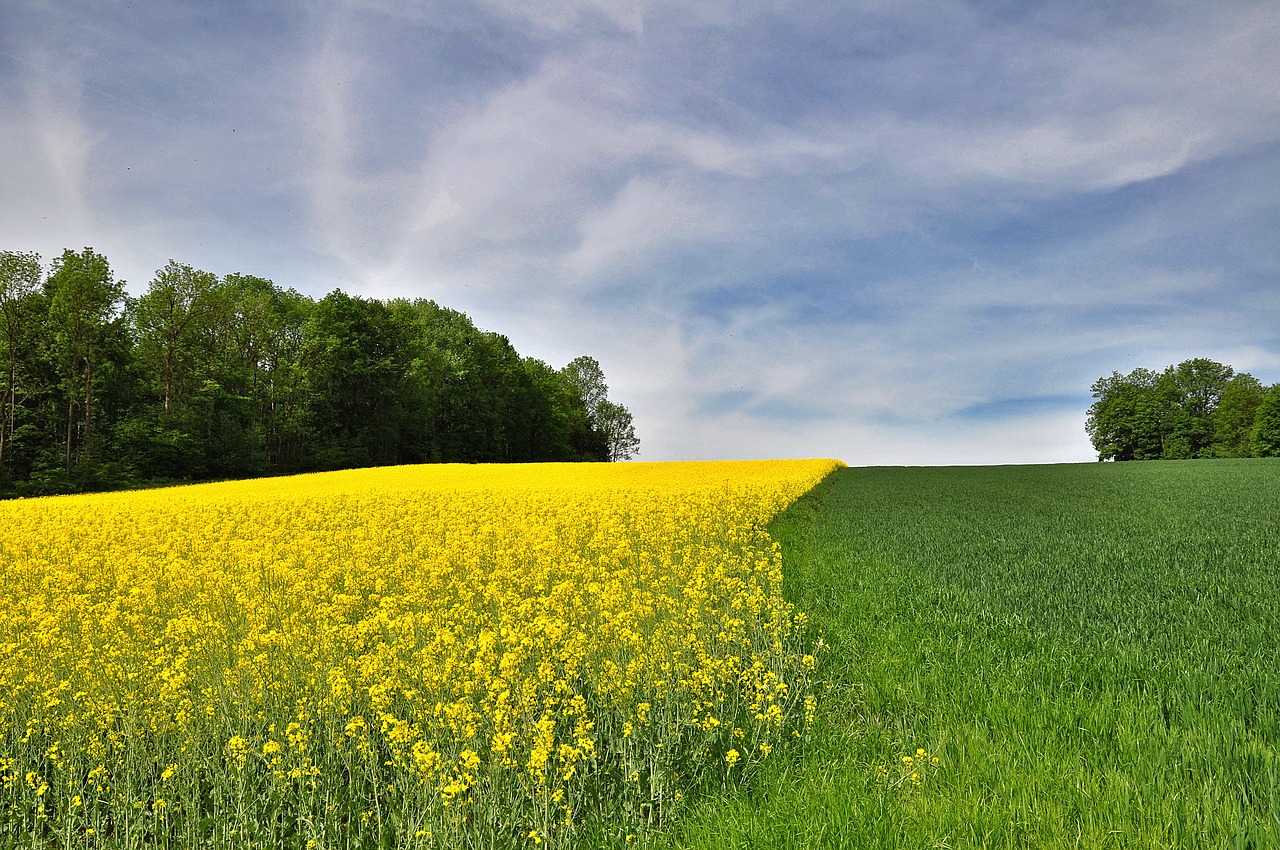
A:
x: 1189, y: 395
x: 1197, y: 408
x: 1125, y: 423
x: 1266, y: 426
x: 201, y: 377
x: 169, y: 319
x: 611, y: 420
x: 20, y: 276
x: 84, y: 300
x: 1234, y: 418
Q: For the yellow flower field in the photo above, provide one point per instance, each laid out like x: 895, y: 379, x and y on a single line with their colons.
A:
x: 421, y: 656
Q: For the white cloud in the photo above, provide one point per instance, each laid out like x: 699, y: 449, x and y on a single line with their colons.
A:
x: 678, y: 191
x: 560, y: 16
x: 645, y: 216
x: 1124, y: 108
x: 49, y: 147
x: 1043, y: 438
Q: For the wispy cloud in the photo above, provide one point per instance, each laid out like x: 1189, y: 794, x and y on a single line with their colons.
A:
x: 49, y: 148
x: 889, y: 231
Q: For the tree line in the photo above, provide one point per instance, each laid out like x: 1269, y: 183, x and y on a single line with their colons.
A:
x: 205, y: 377
x: 1196, y: 409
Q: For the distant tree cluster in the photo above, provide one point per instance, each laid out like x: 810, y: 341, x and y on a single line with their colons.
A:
x: 204, y: 377
x: 1197, y: 409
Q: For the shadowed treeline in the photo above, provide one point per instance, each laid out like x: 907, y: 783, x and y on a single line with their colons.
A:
x: 206, y: 377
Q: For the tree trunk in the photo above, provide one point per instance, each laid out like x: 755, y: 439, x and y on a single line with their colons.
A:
x: 71, y: 407
x: 6, y: 420
x: 88, y: 409
x: 168, y: 381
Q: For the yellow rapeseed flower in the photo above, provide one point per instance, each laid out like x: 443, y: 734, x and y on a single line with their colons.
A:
x: 446, y: 637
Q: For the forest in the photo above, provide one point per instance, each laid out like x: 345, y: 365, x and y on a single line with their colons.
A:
x: 1197, y: 409
x: 204, y: 377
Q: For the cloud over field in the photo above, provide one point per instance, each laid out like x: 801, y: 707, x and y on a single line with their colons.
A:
x: 891, y: 234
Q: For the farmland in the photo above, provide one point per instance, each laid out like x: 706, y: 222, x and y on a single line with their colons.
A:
x: 1091, y: 652
x: 416, y: 656
x: 1048, y: 656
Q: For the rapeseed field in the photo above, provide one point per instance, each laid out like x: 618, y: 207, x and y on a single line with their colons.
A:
x: 430, y: 656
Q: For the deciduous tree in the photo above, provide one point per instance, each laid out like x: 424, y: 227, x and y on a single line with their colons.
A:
x: 1198, y: 408
x: 20, y: 275
x: 1189, y: 395
x: 201, y: 377
x: 614, y: 421
x: 84, y: 299
x: 175, y: 309
x: 1234, y: 418
x: 1124, y: 423
x: 610, y: 420
x: 1266, y: 426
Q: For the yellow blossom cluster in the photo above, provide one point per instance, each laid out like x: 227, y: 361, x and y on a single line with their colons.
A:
x: 429, y: 655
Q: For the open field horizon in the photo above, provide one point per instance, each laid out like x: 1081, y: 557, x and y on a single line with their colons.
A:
x: 1089, y: 650
x: 1077, y: 654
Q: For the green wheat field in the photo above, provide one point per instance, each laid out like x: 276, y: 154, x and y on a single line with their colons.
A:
x: 1045, y: 656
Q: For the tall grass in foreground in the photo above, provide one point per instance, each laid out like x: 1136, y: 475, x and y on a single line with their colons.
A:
x: 1091, y: 653
x: 410, y: 657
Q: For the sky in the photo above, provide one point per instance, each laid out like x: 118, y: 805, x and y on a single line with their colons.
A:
x: 893, y: 233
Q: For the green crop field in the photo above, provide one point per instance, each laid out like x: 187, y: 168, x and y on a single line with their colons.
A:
x: 1090, y: 652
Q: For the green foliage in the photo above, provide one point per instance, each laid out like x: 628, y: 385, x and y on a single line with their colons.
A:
x: 614, y: 421
x: 201, y: 377
x: 171, y: 320
x: 1125, y: 422
x: 1266, y: 426
x: 20, y: 276
x: 1089, y: 650
x: 1233, y: 420
x: 84, y: 302
x: 611, y: 420
x: 1196, y: 409
x: 354, y: 381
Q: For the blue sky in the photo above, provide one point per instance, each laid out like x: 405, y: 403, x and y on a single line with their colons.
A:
x: 888, y: 232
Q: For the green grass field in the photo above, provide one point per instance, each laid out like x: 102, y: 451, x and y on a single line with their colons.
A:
x: 1092, y: 653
